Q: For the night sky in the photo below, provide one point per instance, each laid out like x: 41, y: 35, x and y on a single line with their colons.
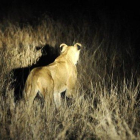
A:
x: 128, y: 9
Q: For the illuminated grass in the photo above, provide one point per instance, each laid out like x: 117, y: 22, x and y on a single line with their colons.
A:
x: 106, y: 105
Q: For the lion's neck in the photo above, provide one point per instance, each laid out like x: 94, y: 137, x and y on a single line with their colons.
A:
x: 65, y: 57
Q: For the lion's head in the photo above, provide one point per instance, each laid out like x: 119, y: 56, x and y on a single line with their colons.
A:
x: 72, y: 52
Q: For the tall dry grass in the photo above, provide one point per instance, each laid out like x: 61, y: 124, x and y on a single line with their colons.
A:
x: 106, y: 105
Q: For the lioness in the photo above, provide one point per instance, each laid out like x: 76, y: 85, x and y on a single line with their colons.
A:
x: 49, y: 81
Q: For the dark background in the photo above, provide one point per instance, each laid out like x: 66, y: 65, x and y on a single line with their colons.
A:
x: 89, y: 7
x: 127, y: 14
x: 123, y: 13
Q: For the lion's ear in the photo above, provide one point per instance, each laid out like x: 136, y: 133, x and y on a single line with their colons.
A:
x: 63, y: 47
x: 78, y: 45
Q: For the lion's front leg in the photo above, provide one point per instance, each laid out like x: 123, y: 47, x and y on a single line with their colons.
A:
x: 57, y: 99
x: 70, y: 92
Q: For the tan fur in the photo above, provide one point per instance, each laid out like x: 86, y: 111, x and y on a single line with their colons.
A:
x: 55, y: 78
